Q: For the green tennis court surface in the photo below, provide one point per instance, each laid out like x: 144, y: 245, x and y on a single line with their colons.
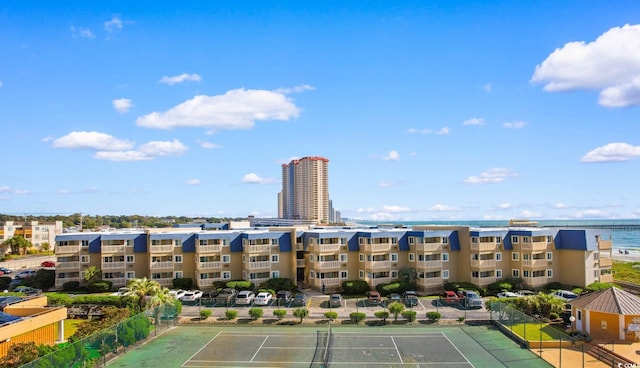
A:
x: 310, y: 346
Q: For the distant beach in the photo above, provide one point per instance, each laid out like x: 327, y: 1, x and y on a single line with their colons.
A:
x: 631, y: 257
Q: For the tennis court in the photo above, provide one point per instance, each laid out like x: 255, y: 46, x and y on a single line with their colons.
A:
x: 317, y: 346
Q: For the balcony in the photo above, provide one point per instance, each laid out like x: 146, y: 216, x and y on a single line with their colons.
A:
x: 483, y: 247
x: 162, y: 265
x: 301, y: 263
x: 535, y: 263
x: 258, y: 282
x: 429, y: 264
x: 120, y: 281
x: 377, y: 248
x: 214, y: 248
x: 161, y: 248
x: 326, y: 248
x: 483, y: 281
x: 604, y: 244
x: 605, y: 262
x: 60, y: 282
x: 164, y: 282
x: 428, y: 247
x: 207, y: 283
x: 209, y: 265
x: 483, y: 263
x: 325, y: 265
x: 257, y: 249
x: 377, y: 264
x: 534, y: 247
x: 112, y: 249
x: 536, y: 281
x: 430, y: 281
x: 62, y: 266
x: 377, y: 280
x: 68, y: 249
x: 330, y: 282
x: 112, y: 265
x: 258, y: 265
x: 606, y: 278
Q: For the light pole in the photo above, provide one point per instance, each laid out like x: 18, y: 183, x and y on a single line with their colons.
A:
x: 572, y: 319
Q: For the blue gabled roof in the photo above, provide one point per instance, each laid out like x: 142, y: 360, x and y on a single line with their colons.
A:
x: 121, y: 236
x: 579, y: 239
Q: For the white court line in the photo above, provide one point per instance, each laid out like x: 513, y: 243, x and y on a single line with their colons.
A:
x: 259, y: 347
x: 397, y: 351
x: 458, y: 350
x: 203, y: 346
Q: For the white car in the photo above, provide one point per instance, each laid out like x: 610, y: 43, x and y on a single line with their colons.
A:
x: 245, y: 297
x: 177, y: 294
x: 507, y: 294
x: 565, y: 295
x: 263, y: 298
x: 123, y: 291
x: 191, y: 295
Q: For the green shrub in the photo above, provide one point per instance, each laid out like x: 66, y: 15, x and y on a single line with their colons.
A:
x: 240, y: 285
x: 383, y: 315
x: 185, y: 283
x: 395, y: 308
x: 554, y: 285
x: 455, y: 286
x: 354, y: 287
x: 270, y: 291
x: 553, y: 315
x: 357, y: 317
x: 58, y: 299
x: 395, y: 287
x: 280, y: 313
x: 4, y: 282
x: 100, y: 286
x: 279, y: 283
x: 256, y: 313
x: 301, y: 313
x: 331, y: 315
x: 409, y: 315
x: 505, y: 285
x: 433, y: 316
x: 231, y: 314
x: 597, y: 286
x: 205, y: 313
x: 461, y: 319
x: 71, y: 286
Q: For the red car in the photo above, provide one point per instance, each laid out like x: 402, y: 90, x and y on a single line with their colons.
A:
x: 450, y: 297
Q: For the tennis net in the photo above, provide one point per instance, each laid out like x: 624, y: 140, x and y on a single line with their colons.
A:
x: 327, y: 350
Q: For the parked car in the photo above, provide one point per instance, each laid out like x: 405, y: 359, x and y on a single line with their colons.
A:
x: 393, y: 297
x: 283, y: 296
x: 373, y: 297
x: 470, y: 298
x: 245, y: 297
x: 5, y: 271
x: 14, y: 283
x: 123, y: 291
x: 24, y: 274
x: 263, y: 298
x: 410, y: 298
x: 210, y: 294
x: 26, y: 290
x: 191, y: 295
x: 335, y: 300
x: 450, y: 297
x: 565, y: 294
x: 507, y: 294
x: 227, y: 295
x: 300, y: 300
x: 525, y: 293
x: 177, y: 294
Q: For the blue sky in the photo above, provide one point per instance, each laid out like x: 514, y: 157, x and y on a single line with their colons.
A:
x: 432, y: 110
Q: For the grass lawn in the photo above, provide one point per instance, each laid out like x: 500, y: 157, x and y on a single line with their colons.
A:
x: 70, y: 327
x: 533, y: 331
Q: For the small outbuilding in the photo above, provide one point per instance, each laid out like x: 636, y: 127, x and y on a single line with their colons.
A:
x: 607, y: 314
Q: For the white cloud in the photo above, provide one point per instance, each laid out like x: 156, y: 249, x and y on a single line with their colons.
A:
x: 145, y: 152
x: 590, y: 213
x: 474, y: 121
x: 122, y: 105
x: 611, y: 64
x: 389, y: 184
x: 395, y: 208
x: 236, y: 109
x: 92, y: 141
x: 530, y: 214
x: 121, y: 156
x: 253, y: 178
x: 514, y: 124
x: 494, y: 175
x: 440, y: 131
x: 612, y: 152
x: 209, y: 145
x: 505, y: 206
x: 559, y: 205
x: 392, y: 156
x: 487, y: 87
x: 192, y: 182
x: 184, y: 77
x: 81, y: 33
x: 5, y: 189
x: 441, y: 208
x: 296, y: 89
x: 114, y: 23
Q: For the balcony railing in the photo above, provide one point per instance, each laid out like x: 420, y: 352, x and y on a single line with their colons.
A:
x: 258, y: 265
x: 378, y: 264
x: 534, y: 247
x: 214, y: 248
x: 165, y: 282
x: 536, y: 281
x: 112, y: 265
x: 606, y: 278
x: 206, y: 283
x: 429, y: 264
x: 257, y: 282
x: 483, y: 263
x: 604, y: 244
x: 483, y: 247
x: 257, y: 248
x: 377, y: 248
x: 326, y: 248
x: 327, y: 265
x: 334, y: 281
x: 378, y: 280
x: 60, y: 282
x: 428, y: 247
x: 605, y: 262
x: 534, y: 263
x: 301, y: 263
x: 483, y: 281
x: 430, y: 281
x: 161, y: 265
x: 74, y: 265
x: 68, y: 249
x: 112, y: 249
x: 161, y: 248
x: 120, y: 281
x: 209, y: 265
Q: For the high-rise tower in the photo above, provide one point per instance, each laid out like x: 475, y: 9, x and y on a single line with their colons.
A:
x: 305, y: 190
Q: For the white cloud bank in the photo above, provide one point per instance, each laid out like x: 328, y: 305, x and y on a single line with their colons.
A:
x: 92, y: 141
x: 392, y: 156
x: 236, y: 109
x: 184, y: 77
x: 474, y: 121
x: 441, y: 131
x: 610, y: 64
x: 114, y: 24
x: 122, y: 105
x: 612, y: 152
x: 494, y: 175
x: 253, y: 178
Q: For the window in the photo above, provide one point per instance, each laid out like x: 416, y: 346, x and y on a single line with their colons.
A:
x: 475, y: 274
x: 361, y: 257
x: 312, y: 274
x: 275, y: 258
x: 445, y: 274
x: 361, y: 241
x: 226, y: 258
x: 84, y: 259
x: 549, y: 239
x: 549, y: 273
x: 343, y: 257
x: 275, y: 274
x: 274, y: 241
x: 178, y: 275
x: 515, y: 273
x: 549, y: 256
x: 526, y: 256
x: 499, y: 274
x: 412, y: 240
x: 514, y: 239
x: 130, y: 259
x: 177, y: 242
x: 311, y: 258
x: 129, y: 242
x: 515, y: 256
x: 344, y: 275
x: 445, y: 240
x: 498, y: 239
x: 474, y: 256
x: 498, y: 256
x: 85, y: 243
x: 474, y: 239
x: 525, y: 273
x: 445, y: 257
x: 226, y: 275
x: 394, y: 257
x: 130, y: 275
x: 412, y: 257
x: 526, y: 239
x: 177, y: 258
x: 394, y: 274
x: 361, y: 274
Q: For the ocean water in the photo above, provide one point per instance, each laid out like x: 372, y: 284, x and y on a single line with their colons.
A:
x: 621, y: 239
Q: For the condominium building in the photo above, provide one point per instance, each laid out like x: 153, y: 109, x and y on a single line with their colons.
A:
x: 38, y: 233
x: 317, y: 256
x: 305, y: 190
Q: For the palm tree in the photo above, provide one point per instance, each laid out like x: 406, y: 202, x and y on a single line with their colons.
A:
x: 92, y: 273
x: 142, y: 288
x: 408, y: 274
x: 16, y: 243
